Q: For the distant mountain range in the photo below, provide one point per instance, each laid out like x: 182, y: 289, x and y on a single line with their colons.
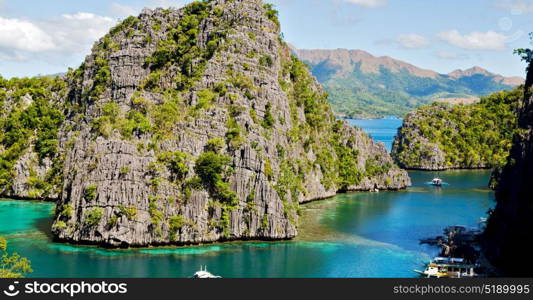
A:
x: 363, y: 85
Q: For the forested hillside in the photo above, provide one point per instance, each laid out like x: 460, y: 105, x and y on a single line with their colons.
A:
x: 441, y: 136
x: 362, y: 85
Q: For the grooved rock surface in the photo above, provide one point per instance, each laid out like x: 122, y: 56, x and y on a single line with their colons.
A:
x: 429, y: 156
x: 197, y: 125
x: 30, y: 116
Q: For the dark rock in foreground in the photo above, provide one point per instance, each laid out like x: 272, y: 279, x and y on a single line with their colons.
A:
x: 508, y: 234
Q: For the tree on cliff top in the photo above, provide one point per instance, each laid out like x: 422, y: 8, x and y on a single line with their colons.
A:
x: 12, y: 266
x: 526, y: 54
x: 527, y: 112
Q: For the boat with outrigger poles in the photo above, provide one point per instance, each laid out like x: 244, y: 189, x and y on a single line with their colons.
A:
x: 449, y: 267
x: 437, y: 181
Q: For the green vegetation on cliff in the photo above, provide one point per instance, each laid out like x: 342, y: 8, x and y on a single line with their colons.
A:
x: 213, y: 168
x: 339, y: 167
x: 180, y: 46
x: 468, y: 136
x: 29, y: 119
x: 526, y: 54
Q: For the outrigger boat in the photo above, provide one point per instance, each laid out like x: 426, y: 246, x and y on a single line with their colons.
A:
x: 436, y: 182
x: 444, y: 267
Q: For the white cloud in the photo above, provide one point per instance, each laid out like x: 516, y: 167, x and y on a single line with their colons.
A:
x: 77, y: 32
x: 64, y: 37
x: 515, y: 6
x: 489, y: 40
x: 21, y: 35
x: 368, y: 3
x: 68, y: 34
x: 412, y: 41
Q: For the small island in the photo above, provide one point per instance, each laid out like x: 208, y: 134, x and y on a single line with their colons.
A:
x: 442, y: 136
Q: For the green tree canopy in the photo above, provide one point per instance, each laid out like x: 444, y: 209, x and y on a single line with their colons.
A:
x: 12, y: 265
x: 525, y: 53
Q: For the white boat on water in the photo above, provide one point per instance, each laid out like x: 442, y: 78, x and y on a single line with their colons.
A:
x: 444, y: 267
x: 203, y: 274
x: 436, y: 181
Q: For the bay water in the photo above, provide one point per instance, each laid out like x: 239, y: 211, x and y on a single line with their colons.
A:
x: 350, y: 235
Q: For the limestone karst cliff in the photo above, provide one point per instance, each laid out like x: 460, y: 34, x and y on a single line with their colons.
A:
x: 443, y: 136
x: 197, y: 125
x: 30, y: 118
x: 508, y: 232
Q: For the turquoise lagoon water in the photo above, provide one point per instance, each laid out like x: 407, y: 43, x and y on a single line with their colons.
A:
x: 351, y: 235
x: 381, y: 130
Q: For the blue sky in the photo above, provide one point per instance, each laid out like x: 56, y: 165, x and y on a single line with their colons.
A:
x: 44, y: 37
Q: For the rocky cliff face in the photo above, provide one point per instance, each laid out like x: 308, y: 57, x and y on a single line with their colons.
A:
x: 30, y: 117
x: 509, y: 228
x: 197, y: 125
x: 234, y: 133
x: 442, y: 136
x: 413, y: 150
